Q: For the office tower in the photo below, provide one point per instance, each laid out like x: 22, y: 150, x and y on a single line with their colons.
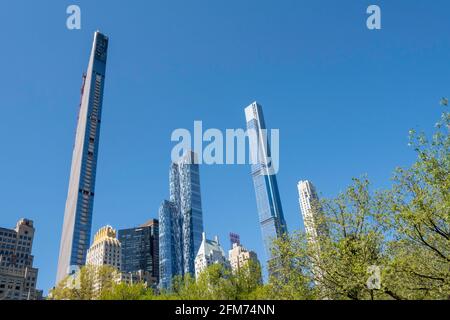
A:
x: 268, y: 201
x: 76, y: 232
x: 209, y: 253
x: 105, y: 250
x: 140, y: 251
x: 234, y: 239
x: 181, y: 221
x: 18, y: 278
x: 239, y: 257
x: 309, y: 205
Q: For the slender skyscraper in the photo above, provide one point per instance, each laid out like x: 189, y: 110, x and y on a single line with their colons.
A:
x: 311, y: 211
x: 181, y: 221
x: 191, y: 210
x: 307, y: 196
x: 315, y: 226
x: 76, y: 233
x: 268, y: 201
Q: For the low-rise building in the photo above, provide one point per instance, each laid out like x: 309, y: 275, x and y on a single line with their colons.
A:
x: 18, y: 277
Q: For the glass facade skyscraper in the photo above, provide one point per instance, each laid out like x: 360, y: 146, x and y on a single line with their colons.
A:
x: 191, y: 210
x: 170, y: 244
x: 181, y: 221
x: 268, y: 201
x: 76, y: 233
x: 140, y: 249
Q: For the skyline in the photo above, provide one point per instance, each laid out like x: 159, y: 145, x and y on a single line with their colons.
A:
x: 367, y: 142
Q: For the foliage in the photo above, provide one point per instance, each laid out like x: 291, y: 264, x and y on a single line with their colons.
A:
x: 421, y: 219
x: 88, y: 283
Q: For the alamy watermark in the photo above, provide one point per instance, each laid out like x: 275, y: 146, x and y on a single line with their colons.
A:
x: 73, y: 22
x: 214, y: 147
x: 374, y: 20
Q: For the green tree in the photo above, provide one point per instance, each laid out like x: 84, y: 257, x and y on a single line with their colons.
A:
x: 420, y: 267
x: 87, y: 284
x: 335, y: 264
x: 124, y: 291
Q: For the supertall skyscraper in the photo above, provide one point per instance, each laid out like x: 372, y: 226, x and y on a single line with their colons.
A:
x: 268, y: 201
x: 181, y: 221
x: 76, y: 233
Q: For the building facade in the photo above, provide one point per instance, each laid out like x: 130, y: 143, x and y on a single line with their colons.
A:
x: 209, y: 253
x: 309, y: 206
x: 18, y: 277
x: 170, y: 244
x: 76, y: 231
x: 268, y: 201
x: 140, y: 251
x: 181, y: 221
x: 234, y: 239
x: 239, y: 257
x: 105, y: 250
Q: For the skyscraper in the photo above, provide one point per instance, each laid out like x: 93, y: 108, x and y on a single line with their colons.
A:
x: 268, y: 201
x: 313, y: 222
x: 76, y: 231
x: 191, y: 209
x: 309, y: 200
x: 140, y: 249
x: 170, y: 244
x: 181, y: 221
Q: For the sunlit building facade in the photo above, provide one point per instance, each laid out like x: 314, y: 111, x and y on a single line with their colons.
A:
x: 105, y: 250
x: 209, y: 253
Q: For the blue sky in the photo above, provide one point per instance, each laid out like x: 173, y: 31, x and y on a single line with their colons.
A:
x: 342, y: 96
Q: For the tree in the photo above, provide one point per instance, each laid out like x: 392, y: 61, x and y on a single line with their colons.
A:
x: 336, y: 264
x: 87, y: 284
x: 421, y: 219
x: 124, y: 291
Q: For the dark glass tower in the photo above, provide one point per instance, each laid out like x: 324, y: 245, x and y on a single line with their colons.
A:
x: 140, y: 249
x: 268, y: 201
x: 76, y: 233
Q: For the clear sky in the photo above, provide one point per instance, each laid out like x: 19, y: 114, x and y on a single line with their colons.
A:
x: 342, y: 96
